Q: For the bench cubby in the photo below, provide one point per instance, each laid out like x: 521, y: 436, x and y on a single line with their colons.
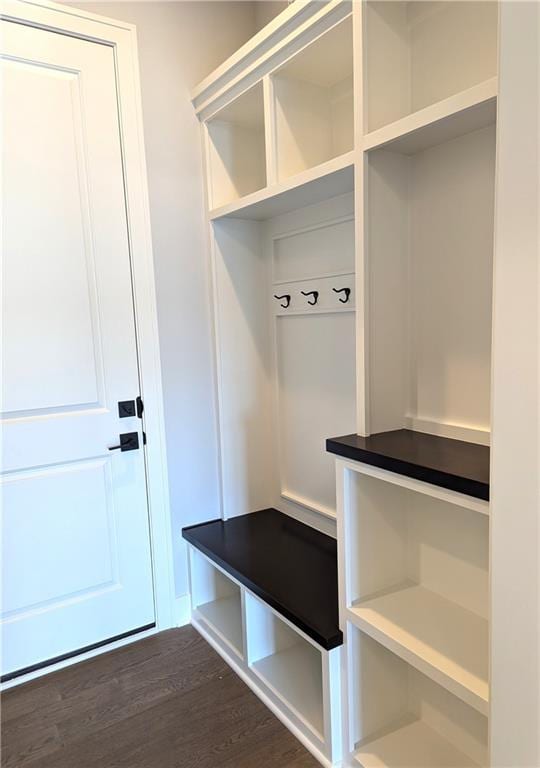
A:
x: 264, y: 594
x: 286, y: 662
x: 217, y: 602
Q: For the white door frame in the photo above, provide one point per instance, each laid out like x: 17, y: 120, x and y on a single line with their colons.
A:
x: 122, y: 37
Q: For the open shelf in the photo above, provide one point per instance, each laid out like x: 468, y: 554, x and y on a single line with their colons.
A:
x: 287, y: 663
x: 330, y: 179
x: 217, y: 601
x: 440, y: 638
x: 399, y: 718
x: 455, y: 116
x: 313, y: 98
x: 417, y: 54
x: 428, y: 246
x: 236, y: 148
x: 414, y: 745
x: 417, y: 583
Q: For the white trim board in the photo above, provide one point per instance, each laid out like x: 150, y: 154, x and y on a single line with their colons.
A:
x: 410, y: 483
x: 182, y: 610
x: 282, y: 38
x: 122, y: 38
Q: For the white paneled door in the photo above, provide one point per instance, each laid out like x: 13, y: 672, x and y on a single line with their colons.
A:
x: 76, y: 563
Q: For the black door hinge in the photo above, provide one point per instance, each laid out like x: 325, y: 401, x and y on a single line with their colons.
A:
x: 140, y: 406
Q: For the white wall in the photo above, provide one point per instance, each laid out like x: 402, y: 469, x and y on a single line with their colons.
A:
x: 179, y: 44
x: 266, y: 10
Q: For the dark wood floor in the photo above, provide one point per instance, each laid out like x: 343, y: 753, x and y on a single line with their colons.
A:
x: 165, y: 702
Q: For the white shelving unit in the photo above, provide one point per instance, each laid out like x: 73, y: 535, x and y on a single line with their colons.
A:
x: 281, y: 218
x: 294, y: 676
x: 414, y: 584
x: 426, y: 236
x: 378, y: 132
x: 416, y: 576
x: 414, y: 593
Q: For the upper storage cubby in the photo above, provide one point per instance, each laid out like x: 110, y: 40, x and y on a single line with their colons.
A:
x: 313, y: 101
x: 236, y: 148
x: 419, y: 53
x: 429, y: 247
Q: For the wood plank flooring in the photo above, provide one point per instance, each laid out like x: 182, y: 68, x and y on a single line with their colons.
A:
x: 168, y: 701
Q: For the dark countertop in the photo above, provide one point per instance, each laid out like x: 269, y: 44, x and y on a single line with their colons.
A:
x: 289, y: 565
x: 453, y: 464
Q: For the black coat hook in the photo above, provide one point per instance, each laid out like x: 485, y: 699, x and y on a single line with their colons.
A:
x: 315, y: 295
x: 287, y: 298
x: 346, y: 291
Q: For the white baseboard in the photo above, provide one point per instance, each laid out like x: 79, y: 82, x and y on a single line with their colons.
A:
x: 478, y: 435
x: 182, y: 610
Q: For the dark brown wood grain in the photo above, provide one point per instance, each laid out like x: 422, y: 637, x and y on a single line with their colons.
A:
x: 168, y: 701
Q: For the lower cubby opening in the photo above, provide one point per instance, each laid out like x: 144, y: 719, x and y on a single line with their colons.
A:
x: 287, y: 663
x: 218, y: 601
x: 419, y: 581
x: 401, y: 719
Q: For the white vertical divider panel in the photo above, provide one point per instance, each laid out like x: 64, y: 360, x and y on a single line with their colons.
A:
x: 362, y: 274
x: 270, y: 131
x: 244, y: 613
x: 212, y: 269
x: 244, y: 375
x: 515, y: 457
x: 386, y: 254
x: 342, y: 496
x: 332, y: 702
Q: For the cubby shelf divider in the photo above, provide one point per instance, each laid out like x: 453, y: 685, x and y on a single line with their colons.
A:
x: 458, y: 114
x: 329, y: 179
x: 436, y: 636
